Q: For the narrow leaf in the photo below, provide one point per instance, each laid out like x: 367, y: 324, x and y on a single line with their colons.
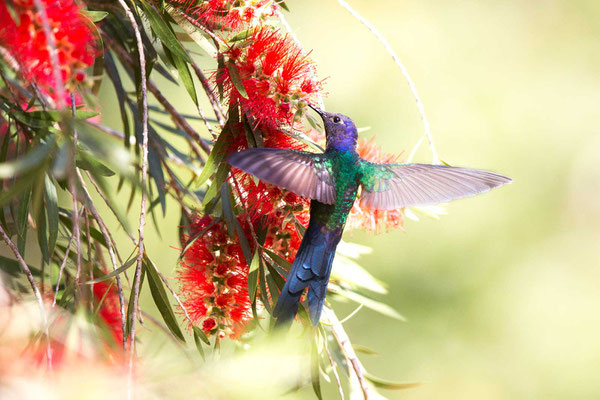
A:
x: 51, y: 212
x: 385, y: 384
x: 216, y: 156
x: 186, y: 77
x: 161, y: 300
x: 253, y: 276
x: 114, y: 273
x: 236, y: 79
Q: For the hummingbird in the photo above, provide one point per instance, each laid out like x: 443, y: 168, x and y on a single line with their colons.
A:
x: 331, y: 180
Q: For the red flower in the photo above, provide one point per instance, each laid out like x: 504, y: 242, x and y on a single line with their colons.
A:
x: 214, y: 280
x: 279, y: 78
x: 228, y: 14
x: 26, y: 41
x: 107, y: 298
x: 368, y: 218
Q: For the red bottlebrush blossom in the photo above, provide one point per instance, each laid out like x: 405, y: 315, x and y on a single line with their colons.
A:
x: 228, y: 14
x: 26, y: 40
x: 107, y: 298
x: 279, y: 78
x: 367, y: 218
x: 214, y: 280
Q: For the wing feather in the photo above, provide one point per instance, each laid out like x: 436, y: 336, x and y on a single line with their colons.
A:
x: 391, y: 186
x: 306, y: 174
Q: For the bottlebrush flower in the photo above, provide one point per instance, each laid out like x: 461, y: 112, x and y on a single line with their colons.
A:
x: 228, y: 14
x: 213, y: 278
x: 107, y: 299
x: 368, y: 218
x: 279, y: 78
x: 25, y: 39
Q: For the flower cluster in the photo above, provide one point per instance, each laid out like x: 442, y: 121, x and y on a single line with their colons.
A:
x: 278, y: 77
x: 228, y: 14
x: 368, y: 218
x: 25, y: 39
x: 214, y: 279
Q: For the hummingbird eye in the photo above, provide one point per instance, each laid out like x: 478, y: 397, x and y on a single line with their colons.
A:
x: 337, y: 119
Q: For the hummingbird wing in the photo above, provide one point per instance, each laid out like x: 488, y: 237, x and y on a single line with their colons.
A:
x: 306, y: 174
x: 391, y: 186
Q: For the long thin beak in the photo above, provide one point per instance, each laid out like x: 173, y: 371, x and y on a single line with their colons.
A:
x: 318, y: 110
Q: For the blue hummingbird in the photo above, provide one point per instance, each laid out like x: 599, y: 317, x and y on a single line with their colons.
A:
x: 332, y: 180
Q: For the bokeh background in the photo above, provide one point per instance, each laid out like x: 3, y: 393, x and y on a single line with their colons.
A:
x: 501, y: 294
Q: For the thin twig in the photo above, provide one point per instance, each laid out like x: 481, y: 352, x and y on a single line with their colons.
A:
x: 111, y: 252
x: 61, y: 269
x: 73, y: 190
x: 216, y: 105
x: 89, y: 254
x: 140, y: 256
x: 334, y: 369
x: 399, y: 63
x: 346, y: 347
x: 109, y: 204
x: 36, y: 292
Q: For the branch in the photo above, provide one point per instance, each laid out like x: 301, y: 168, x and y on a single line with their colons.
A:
x: 217, y: 108
x: 346, y: 347
x: 36, y: 292
x: 140, y: 256
x: 399, y: 63
x: 111, y: 253
x: 73, y: 190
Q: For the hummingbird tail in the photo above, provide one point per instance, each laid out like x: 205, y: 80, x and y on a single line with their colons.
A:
x: 311, y: 269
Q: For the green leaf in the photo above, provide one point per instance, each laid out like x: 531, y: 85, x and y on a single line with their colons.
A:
x: 95, y: 16
x: 216, y: 184
x: 13, y: 268
x: 164, y: 32
x: 367, y: 302
x: 278, y: 259
x: 22, y: 221
x: 253, y: 276
x: 314, y: 369
x: 33, y: 159
x: 216, y: 156
x: 228, y: 213
x: 385, y: 384
x: 236, y: 79
x: 161, y: 300
x: 363, y: 349
x: 113, y: 273
x: 242, y: 36
x: 39, y: 214
x: 243, y: 241
x: 52, y: 213
x: 199, y: 337
x: 186, y: 77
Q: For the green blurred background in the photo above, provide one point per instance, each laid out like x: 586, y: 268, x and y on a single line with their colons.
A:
x: 501, y: 295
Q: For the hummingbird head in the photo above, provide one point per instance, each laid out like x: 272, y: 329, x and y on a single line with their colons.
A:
x: 340, y: 130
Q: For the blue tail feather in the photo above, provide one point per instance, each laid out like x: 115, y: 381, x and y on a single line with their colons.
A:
x: 311, y: 268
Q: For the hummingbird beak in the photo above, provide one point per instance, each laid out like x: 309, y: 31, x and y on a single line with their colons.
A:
x: 318, y: 110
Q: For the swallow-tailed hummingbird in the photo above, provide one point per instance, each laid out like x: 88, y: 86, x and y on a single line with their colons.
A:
x: 332, y: 180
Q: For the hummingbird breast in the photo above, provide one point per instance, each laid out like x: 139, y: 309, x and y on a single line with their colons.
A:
x: 346, y: 171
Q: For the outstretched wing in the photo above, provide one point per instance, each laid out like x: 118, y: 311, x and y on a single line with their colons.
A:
x: 306, y: 174
x: 390, y: 186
